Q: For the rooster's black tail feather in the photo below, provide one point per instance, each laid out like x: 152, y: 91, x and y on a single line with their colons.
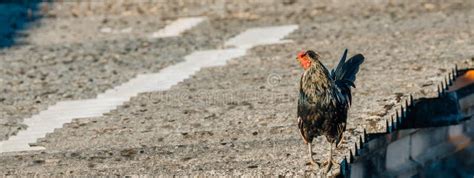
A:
x: 345, y: 73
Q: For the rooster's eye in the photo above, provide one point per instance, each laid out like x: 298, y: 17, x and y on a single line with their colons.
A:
x: 301, y: 54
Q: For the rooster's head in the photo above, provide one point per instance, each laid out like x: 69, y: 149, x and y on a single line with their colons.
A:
x: 306, y: 58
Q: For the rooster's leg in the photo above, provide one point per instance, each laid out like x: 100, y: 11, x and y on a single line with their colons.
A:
x: 310, y: 151
x: 340, y: 142
x: 329, y: 162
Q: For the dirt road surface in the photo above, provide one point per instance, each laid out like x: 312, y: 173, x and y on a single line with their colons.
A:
x: 237, y: 119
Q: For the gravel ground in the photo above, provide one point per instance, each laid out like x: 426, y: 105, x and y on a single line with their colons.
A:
x: 244, y: 113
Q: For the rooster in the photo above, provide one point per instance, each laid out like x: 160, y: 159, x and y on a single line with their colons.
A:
x: 324, y: 99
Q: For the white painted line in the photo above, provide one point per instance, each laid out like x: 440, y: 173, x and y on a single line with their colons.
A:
x: 172, y: 75
x: 261, y: 36
x: 110, y: 30
x: 65, y: 111
x: 177, y: 27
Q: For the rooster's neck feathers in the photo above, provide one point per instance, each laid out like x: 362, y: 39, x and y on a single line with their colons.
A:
x: 316, y: 82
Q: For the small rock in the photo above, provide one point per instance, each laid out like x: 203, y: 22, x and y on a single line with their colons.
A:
x: 252, y: 166
x: 429, y: 6
x: 39, y: 161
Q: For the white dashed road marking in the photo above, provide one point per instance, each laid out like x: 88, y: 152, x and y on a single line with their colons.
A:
x: 114, y: 31
x: 172, y: 75
x: 63, y: 112
x: 261, y: 36
x: 178, y: 26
